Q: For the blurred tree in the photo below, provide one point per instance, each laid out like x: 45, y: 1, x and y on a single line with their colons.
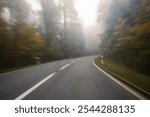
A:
x: 73, y: 41
x: 21, y: 39
x: 127, y: 33
x: 51, y: 29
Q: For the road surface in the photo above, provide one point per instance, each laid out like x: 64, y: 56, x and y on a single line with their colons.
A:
x: 71, y: 79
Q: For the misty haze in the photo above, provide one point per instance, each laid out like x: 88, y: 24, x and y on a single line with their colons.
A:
x: 74, y: 49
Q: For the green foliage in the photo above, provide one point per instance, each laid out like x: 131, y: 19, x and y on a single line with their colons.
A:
x: 22, y: 40
x: 18, y: 48
x: 127, y: 35
x: 32, y: 43
x: 126, y: 74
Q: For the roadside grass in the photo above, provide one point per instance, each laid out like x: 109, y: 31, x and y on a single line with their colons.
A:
x: 126, y: 74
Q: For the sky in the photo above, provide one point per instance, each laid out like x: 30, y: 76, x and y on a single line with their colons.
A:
x: 35, y: 4
x: 87, y: 10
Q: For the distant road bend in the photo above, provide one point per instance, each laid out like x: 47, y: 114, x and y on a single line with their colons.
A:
x: 70, y: 79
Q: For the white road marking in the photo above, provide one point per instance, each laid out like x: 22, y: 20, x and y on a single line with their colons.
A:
x: 73, y: 61
x: 78, y: 59
x: 121, y: 84
x: 34, y: 87
x: 64, y: 67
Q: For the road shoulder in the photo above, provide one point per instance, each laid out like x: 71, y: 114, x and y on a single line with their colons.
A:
x: 126, y: 85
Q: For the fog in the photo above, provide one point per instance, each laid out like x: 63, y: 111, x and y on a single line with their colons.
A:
x: 92, y: 39
x: 60, y: 29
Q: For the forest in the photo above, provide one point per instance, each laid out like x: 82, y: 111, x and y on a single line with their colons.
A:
x: 126, y: 38
x: 51, y: 32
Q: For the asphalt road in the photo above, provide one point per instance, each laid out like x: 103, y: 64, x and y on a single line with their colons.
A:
x: 71, y: 79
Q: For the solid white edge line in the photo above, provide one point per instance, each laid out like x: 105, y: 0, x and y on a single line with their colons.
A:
x: 120, y: 83
x: 34, y: 87
x: 64, y: 67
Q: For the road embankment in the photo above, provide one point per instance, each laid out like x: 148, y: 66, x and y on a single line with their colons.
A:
x: 139, y: 82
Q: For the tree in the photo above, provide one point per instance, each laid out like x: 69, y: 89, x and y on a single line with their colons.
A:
x: 127, y: 33
x: 19, y: 39
x: 22, y: 39
x: 73, y: 40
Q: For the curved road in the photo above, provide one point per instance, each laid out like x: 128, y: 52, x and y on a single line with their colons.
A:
x: 71, y: 79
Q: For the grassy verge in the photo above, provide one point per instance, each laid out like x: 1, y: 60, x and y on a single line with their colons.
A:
x: 126, y: 74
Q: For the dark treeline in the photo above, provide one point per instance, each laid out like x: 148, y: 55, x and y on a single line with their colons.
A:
x: 127, y: 34
x: 51, y: 33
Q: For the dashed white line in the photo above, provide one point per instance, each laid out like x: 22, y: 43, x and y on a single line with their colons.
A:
x: 121, y: 84
x: 73, y: 61
x: 64, y: 67
x: 34, y: 87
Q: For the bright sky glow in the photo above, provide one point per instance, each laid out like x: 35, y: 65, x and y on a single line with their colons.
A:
x: 35, y: 4
x: 87, y: 11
